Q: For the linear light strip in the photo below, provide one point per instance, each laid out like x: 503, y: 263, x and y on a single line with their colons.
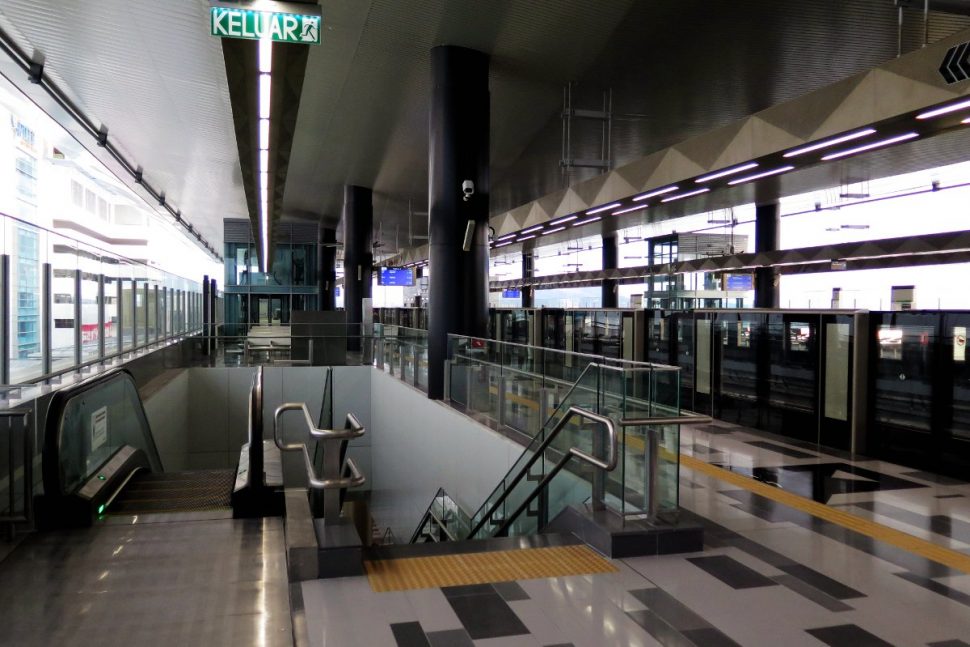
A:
x: 506, y: 237
x: 966, y: 121
x: 605, y: 207
x: 587, y: 221
x: 945, y: 110
x: 531, y: 229
x: 758, y: 176
x: 552, y: 231
x: 629, y: 210
x: 726, y: 172
x: 265, y: 65
x: 654, y: 194
x: 504, y: 244
x: 868, y: 147
x: 859, y: 134
x: 525, y: 238
x: 685, y: 195
x: 562, y: 220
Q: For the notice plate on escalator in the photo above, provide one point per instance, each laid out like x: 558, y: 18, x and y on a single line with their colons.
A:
x: 99, y: 428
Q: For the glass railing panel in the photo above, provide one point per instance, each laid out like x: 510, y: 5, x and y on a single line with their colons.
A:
x: 97, y: 420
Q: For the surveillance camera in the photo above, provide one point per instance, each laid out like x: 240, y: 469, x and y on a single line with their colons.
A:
x: 468, y: 188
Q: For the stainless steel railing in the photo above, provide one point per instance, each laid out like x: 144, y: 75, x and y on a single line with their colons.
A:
x: 332, y: 480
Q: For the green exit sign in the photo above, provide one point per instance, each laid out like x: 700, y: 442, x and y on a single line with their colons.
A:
x: 281, y: 27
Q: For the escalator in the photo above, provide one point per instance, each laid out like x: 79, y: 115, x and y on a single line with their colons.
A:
x: 100, y: 459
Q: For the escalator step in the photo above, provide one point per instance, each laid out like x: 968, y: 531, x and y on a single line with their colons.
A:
x: 174, y: 492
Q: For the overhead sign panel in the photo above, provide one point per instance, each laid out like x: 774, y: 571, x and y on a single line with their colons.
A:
x: 396, y: 276
x: 956, y: 64
x: 279, y: 26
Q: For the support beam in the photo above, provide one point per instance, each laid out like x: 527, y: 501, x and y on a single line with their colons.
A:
x: 358, y: 257
x: 458, y: 219
x: 766, y: 234
x: 611, y: 252
x: 47, y: 304
x: 327, y: 276
x: 528, y: 272
x: 5, y: 322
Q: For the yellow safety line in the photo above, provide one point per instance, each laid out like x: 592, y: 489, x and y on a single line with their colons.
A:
x: 877, y: 531
x: 483, y: 568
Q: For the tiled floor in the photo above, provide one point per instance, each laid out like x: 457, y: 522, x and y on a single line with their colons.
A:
x: 769, y: 574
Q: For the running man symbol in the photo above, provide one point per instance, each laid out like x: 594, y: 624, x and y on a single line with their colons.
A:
x: 311, y: 30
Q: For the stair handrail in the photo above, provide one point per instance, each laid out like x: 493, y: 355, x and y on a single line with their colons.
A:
x: 607, y: 465
x: 352, y: 429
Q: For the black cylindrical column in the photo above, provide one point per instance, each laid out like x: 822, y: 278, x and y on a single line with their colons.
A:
x: 766, y: 228
x: 327, y: 277
x: 358, y: 257
x: 610, y: 255
x: 528, y: 272
x: 458, y: 219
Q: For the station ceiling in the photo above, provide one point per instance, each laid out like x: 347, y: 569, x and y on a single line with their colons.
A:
x: 152, y: 74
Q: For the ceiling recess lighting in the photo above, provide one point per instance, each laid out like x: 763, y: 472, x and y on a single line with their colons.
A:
x: 859, y: 134
x: 264, y: 161
x: 552, y: 231
x: 504, y: 244
x: 867, y: 147
x: 264, y: 181
x: 532, y: 229
x: 654, y: 194
x: 726, y: 172
x: 685, y: 195
x: 605, y: 207
x: 526, y: 238
x: 966, y: 121
x: 945, y: 110
x: 266, y: 56
x: 265, y: 88
x: 562, y: 220
x: 264, y: 134
x: 506, y: 237
x: 587, y: 221
x: 629, y: 210
x: 758, y: 176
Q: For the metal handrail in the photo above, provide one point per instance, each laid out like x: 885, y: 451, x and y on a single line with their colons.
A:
x: 352, y: 429
x: 677, y: 420
x: 608, y: 465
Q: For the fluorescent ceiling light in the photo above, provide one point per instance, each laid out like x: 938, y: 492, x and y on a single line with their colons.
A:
x: 506, y: 237
x: 878, y: 144
x: 945, y: 110
x: 264, y: 134
x: 265, y: 95
x: 532, y: 229
x: 726, y: 172
x: 562, y: 220
x: 758, y: 176
x: 629, y: 209
x: 264, y: 161
x: 966, y: 121
x: 605, y: 207
x: 265, y: 56
x: 504, y: 244
x: 526, y: 238
x: 685, y: 195
x: 830, y: 142
x: 587, y: 221
x: 654, y: 194
x: 552, y: 231
x: 264, y: 181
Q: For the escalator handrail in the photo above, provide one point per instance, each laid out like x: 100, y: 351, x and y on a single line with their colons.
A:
x: 254, y: 476
x: 607, y: 465
x: 50, y: 456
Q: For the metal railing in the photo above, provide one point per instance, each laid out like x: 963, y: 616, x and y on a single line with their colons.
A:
x: 333, y: 479
x: 607, y: 465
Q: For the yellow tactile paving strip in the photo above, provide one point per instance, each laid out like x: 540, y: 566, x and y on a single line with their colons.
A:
x: 483, y: 568
x: 877, y: 531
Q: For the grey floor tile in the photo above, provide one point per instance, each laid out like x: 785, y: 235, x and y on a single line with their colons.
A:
x: 450, y: 638
x: 779, y: 449
x: 948, y: 643
x: 731, y: 572
x: 709, y: 637
x: 821, y: 582
x: 949, y: 496
x: 486, y: 615
x: 847, y: 636
x: 939, y: 479
x: 510, y: 591
x: 661, y: 630
x: 409, y: 634
x: 469, y: 589
x: 810, y: 592
x: 936, y: 587
x: 668, y: 609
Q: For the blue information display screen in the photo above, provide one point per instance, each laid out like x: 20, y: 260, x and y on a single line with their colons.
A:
x: 399, y: 276
x: 511, y: 294
x: 740, y: 282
